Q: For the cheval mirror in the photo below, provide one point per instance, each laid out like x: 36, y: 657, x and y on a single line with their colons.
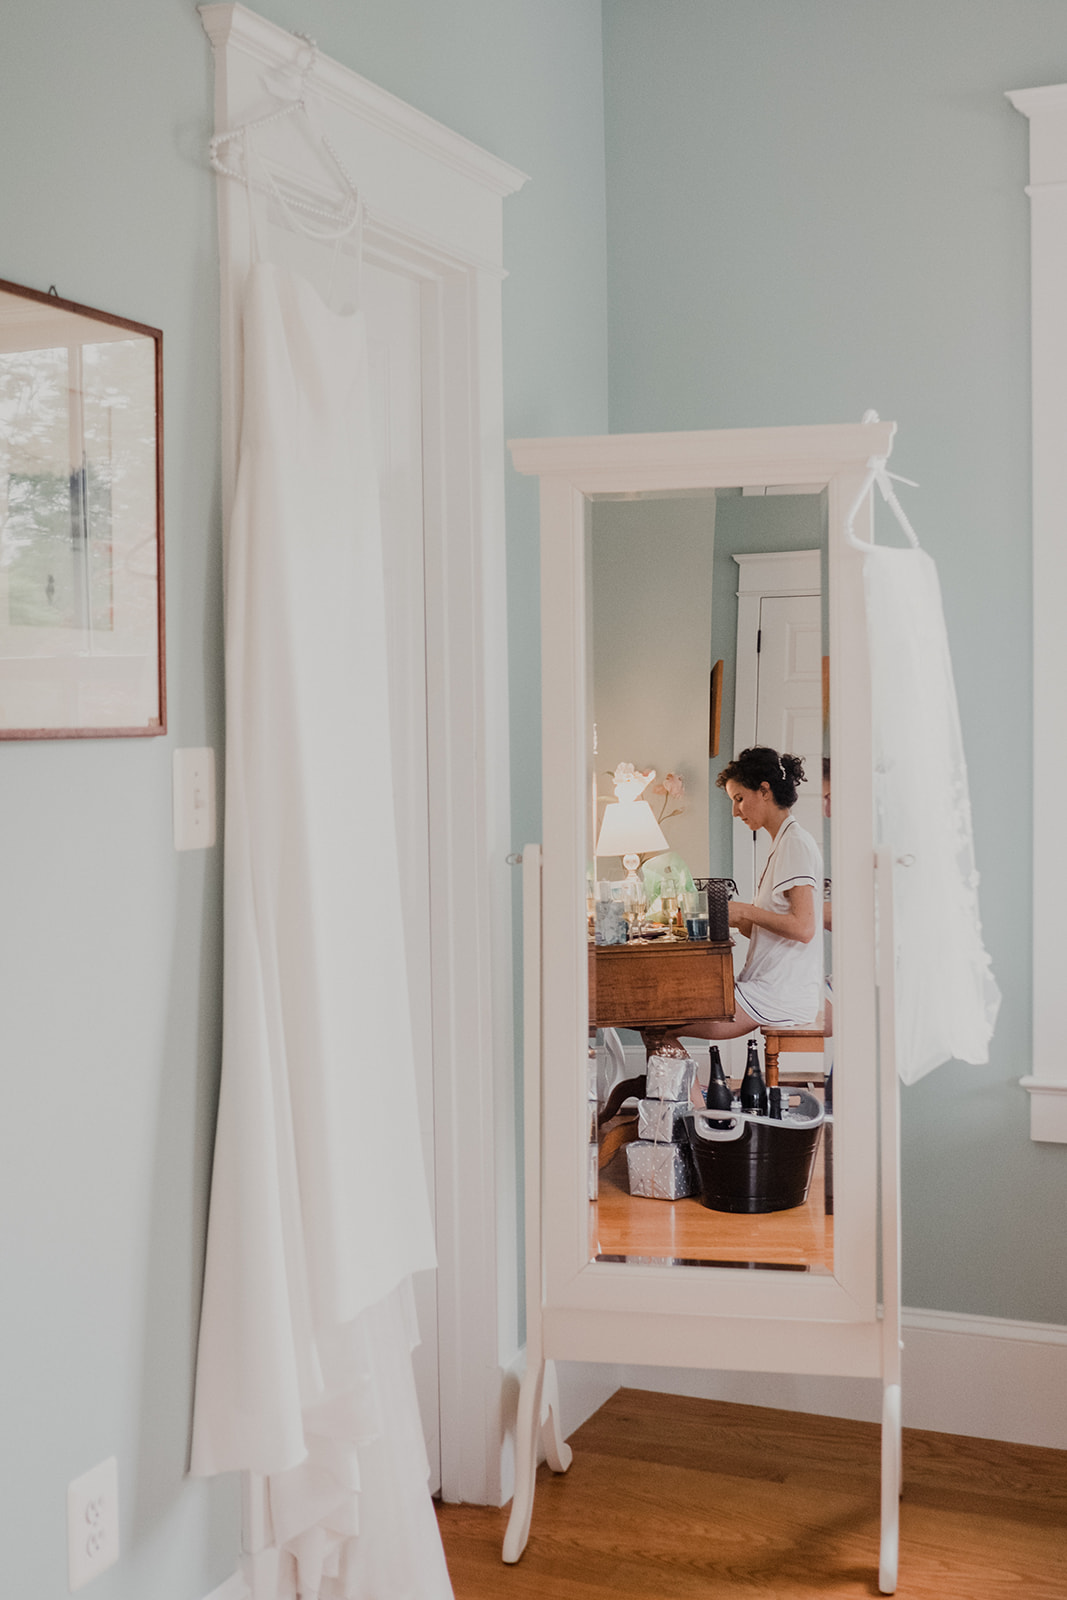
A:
x: 654, y: 568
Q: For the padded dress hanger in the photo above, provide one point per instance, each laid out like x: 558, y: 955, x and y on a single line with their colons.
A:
x: 877, y: 473
x: 289, y: 84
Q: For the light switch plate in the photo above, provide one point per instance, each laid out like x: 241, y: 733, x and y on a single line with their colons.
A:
x: 93, y: 1523
x: 194, y: 799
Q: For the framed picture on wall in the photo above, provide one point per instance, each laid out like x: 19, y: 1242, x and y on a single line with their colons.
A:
x: 81, y: 521
x: 715, y: 703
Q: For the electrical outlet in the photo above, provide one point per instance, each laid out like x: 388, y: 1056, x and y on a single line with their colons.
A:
x: 93, y: 1522
x: 194, y: 799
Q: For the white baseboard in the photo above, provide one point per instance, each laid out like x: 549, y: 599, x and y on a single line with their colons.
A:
x: 584, y: 1386
x: 986, y: 1377
x: 235, y: 1588
x: 732, y: 1052
x: 1048, y: 1109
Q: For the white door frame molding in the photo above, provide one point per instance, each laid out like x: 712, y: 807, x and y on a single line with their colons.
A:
x: 1046, y: 109
x: 768, y: 572
x: 433, y: 210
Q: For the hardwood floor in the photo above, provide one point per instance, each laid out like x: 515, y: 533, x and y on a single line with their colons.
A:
x: 624, y: 1224
x: 676, y: 1499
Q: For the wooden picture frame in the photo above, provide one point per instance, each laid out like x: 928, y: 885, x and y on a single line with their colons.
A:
x: 82, y: 614
x: 715, y: 716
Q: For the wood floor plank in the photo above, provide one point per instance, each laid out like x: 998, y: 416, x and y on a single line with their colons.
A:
x: 676, y: 1499
x: 625, y: 1224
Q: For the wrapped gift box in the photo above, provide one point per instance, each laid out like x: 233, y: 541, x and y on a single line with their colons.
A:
x: 660, y: 1171
x: 670, y: 1077
x: 660, y: 1120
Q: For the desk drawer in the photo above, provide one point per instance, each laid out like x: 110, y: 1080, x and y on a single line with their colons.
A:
x: 634, y: 985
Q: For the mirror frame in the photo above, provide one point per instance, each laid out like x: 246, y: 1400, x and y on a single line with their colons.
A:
x: 664, y: 1314
x: 159, y: 724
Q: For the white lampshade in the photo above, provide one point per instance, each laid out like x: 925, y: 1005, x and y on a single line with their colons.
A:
x: 629, y: 828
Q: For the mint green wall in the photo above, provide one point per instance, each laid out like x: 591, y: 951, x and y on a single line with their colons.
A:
x: 109, y: 941
x: 651, y: 637
x: 816, y: 208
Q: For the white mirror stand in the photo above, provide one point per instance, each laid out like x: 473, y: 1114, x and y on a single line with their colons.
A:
x: 844, y: 1323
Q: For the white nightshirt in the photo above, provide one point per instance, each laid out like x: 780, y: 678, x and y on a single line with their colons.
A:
x: 782, y: 979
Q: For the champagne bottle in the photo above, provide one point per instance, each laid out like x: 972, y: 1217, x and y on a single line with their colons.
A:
x: 753, y: 1087
x: 718, y: 1098
x: 669, y: 900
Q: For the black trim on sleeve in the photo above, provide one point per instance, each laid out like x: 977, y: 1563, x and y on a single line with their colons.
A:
x: 801, y: 877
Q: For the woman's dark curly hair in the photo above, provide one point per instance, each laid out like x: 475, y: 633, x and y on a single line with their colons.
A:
x: 761, y: 765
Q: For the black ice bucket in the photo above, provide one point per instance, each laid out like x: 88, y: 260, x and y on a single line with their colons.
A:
x: 752, y: 1163
x: 720, y: 892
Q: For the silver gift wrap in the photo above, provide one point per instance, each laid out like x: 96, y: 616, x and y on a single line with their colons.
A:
x: 660, y: 1171
x: 670, y: 1077
x: 660, y: 1120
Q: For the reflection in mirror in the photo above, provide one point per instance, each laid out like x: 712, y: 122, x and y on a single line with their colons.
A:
x: 675, y: 585
x: 80, y: 521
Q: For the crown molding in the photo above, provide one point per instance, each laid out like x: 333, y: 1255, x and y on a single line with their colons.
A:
x: 233, y: 26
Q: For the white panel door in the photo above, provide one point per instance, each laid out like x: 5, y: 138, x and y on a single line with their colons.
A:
x: 392, y: 305
x: 788, y: 671
x: 789, y: 692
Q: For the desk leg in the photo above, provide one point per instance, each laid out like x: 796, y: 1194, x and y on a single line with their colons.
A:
x: 630, y: 1088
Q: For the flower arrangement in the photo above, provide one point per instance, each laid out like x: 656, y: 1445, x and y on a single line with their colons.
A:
x: 671, y: 787
x: 630, y: 783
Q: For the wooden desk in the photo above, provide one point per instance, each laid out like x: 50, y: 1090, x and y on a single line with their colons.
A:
x: 659, y: 985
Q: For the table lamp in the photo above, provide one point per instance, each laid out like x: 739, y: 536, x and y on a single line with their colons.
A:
x: 629, y: 829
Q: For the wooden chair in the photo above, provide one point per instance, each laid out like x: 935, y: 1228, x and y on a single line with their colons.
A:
x: 783, y: 1041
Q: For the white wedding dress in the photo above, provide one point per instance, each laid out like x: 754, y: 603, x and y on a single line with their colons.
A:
x: 946, y: 997
x: 319, y: 1211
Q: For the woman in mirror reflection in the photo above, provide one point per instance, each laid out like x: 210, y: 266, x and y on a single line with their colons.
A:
x: 781, y: 983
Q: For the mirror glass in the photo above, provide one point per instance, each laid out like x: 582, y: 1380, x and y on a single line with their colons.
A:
x: 706, y: 630
x: 81, y: 613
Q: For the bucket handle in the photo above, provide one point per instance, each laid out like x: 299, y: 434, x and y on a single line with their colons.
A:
x: 807, y: 1106
x: 724, y: 1133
